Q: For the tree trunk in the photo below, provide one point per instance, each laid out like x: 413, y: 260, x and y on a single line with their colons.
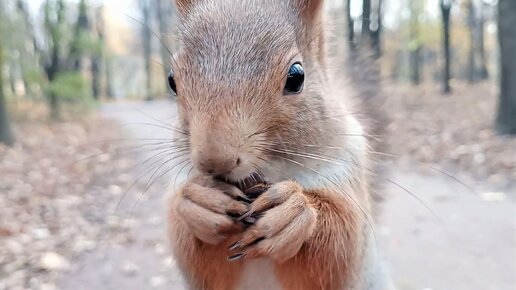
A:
x: 106, y: 55
x: 164, y: 14
x: 52, y: 70
x: 147, y: 47
x: 97, y: 57
x: 366, y: 22
x: 446, y: 9
x: 26, y: 55
x: 54, y: 66
x: 12, y: 78
x: 82, y: 26
x: 484, y: 73
x: 6, y: 136
x: 109, y: 83
x: 415, y: 65
x: 506, y: 121
x: 351, y: 26
x: 472, y: 23
x: 398, y: 63
x: 376, y: 29
x: 415, y: 42
x: 95, y: 77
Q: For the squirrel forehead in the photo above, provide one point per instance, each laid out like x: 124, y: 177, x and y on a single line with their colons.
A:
x: 245, y: 37
x: 240, y: 27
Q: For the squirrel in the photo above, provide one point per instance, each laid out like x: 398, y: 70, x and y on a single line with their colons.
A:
x: 258, y: 103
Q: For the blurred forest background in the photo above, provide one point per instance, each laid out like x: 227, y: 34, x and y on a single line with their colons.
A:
x: 68, y: 53
x: 447, y: 71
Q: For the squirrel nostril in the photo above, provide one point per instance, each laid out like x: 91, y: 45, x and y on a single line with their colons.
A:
x: 218, y: 167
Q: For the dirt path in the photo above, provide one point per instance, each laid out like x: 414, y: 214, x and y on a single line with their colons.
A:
x: 143, y: 262
x: 473, y: 247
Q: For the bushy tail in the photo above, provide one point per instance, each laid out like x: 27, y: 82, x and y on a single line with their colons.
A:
x: 365, y: 77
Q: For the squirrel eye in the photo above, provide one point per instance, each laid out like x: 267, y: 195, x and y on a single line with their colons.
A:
x: 295, y: 79
x: 172, y: 82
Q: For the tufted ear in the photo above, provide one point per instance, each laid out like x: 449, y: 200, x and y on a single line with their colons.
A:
x: 312, y: 32
x: 184, y: 5
x: 309, y: 10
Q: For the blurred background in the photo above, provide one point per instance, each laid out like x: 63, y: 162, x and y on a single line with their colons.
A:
x: 85, y: 117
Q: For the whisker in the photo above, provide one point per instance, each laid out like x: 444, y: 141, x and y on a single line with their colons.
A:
x: 432, y: 168
x: 337, y: 187
x: 264, y: 131
x: 335, y: 161
x: 306, y: 155
x: 151, y: 181
x: 172, y: 129
x: 179, y: 172
x: 367, y: 169
x: 165, y: 152
x: 134, y: 149
x: 157, y: 36
x: 142, y: 176
x: 417, y: 199
x: 190, y: 172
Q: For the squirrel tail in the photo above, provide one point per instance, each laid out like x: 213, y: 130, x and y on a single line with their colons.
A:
x: 365, y: 78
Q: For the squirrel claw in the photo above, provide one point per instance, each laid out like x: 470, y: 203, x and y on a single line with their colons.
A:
x: 236, y: 257
x: 235, y: 246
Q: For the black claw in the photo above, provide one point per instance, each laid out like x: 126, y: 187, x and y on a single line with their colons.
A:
x: 250, y: 220
x: 243, y: 199
x: 233, y: 214
x: 236, y: 257
x: 235, y: 246
x: 254, y: 193
x: 256, y: 241
x: 244, y: 216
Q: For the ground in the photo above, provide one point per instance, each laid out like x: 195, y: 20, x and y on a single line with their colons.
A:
x: 447, y: 222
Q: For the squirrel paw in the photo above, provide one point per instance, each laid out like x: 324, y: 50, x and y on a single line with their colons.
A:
x: 210, y: 208
x: 284, y: 220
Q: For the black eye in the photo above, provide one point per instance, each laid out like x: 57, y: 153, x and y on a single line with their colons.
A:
x: 172, y: 82
x: 295, y: 79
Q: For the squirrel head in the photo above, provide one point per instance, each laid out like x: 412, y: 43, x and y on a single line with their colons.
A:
x: 250, y: 78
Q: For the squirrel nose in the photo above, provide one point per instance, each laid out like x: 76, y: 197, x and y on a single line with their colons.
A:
x: 216, y: 166
x: 212, y: 150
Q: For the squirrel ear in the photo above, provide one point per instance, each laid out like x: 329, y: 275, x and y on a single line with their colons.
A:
x: 184, y: 5
x: 309, y: 9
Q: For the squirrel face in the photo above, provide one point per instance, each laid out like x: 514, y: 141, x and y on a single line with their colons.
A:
x: 249, y: 81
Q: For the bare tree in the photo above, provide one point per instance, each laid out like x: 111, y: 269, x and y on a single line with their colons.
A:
x: 366, y: 22
x: 109, y: 82
x: 472, y: 67
x: 351, y: 26
x: 446, y: 6
x: 104, y: 55
x: 415, y: 48
x: 82, y: 28
x: 147, y: 45
x: 53, y: 65
x: 6, y: 136
x: 376, y: 28
x: 506, y: 121
x: 164, y: 14
x: 484, y: 73
x: 27, y: 53
x: 98, y: 55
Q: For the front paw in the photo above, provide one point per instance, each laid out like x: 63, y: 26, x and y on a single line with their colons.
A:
x: 210, y: 207
x: 285, y: 220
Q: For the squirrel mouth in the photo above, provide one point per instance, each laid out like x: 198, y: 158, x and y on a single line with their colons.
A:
x: 252, y: 186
